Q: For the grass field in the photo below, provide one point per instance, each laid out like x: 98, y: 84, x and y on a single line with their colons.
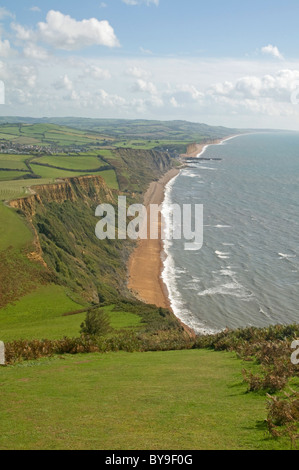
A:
x: 47, y: 134
x: 14, y: 162
x: 13, y: 231
x: 19, y: 188
x: 144, y: 144
x: 110, y: 178
x: 53, y: 173
x: 40, y: 315
x: 10, y: 175
x: 178, y: 400
x: 72, y: 163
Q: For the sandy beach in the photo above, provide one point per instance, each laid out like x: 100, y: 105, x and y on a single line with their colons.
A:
x: 145, y: 265
x: 195, y: 149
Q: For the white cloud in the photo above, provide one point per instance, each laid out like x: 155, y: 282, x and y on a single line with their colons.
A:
x: 145, y: 87
x: 24, y: 76
x: 273, y: 51
x: 5, y: 49
x: 137, y: 72
x: 145, y: 51
x: 250, y: 93
x: 174, y: 102
x: 35, y: 9
x: 32, y: 51
x: 5, y: 13
x: 140, y: 2
x: 277, y: 87
x: 22, y: 33
x: 63, y: 32
x: 64, y: 83
x: 97, y: 73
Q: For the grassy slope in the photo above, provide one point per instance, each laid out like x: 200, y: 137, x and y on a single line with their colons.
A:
x: 13, y: 231
x: 171, y: 400
x: 40, y: 314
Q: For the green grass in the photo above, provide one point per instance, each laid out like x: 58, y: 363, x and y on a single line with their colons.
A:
x: 110, y: 178
x: 14, y: 189
x: 177, y: 400
x: 13, y: 157
x: 13, y: 165
x: 53, y: 173
x: 41, y: 134
x: 10, y: 175
x: 72, y: 163
x: 144, y: 144
x: 39, y: 315
x: 122, y: 320
x: 13, y: 162
x: 13, y: 231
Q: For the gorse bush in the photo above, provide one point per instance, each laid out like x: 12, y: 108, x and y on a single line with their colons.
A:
x: 96, y: 323
x: 269, y: 347
x: 129, y: 341
x: 283, y: 416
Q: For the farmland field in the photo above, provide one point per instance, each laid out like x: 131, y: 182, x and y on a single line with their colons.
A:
x: 47, y: 134
x: 72, y: 162
x: 53, y: 173
x: 9, y: 175
x: 19, y: 188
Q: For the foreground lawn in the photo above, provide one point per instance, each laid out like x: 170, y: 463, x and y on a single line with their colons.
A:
x: 164, y: 400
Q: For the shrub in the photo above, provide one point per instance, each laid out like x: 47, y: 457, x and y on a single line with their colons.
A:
x: 283, y: 416
x: 95, y: 324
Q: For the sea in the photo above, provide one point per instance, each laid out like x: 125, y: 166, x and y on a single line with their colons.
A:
x: 247, y: 271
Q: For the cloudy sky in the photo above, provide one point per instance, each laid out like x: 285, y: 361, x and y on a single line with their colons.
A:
x: 220, y: 62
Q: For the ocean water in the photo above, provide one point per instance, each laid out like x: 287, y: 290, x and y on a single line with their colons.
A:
x: 247, y: 272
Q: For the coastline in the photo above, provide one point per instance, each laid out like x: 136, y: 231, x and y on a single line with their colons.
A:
x: 146, y: 265
x: 196, y: 150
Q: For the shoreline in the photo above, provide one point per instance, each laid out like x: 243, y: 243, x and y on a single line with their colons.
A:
x: 196, y: 150
x: 146, y: 263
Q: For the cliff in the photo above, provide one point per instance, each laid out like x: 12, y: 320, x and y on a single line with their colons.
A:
x: 85, y: 188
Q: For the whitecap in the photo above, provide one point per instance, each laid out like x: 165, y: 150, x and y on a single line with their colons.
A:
x: 286, y: 256
x: 231, y: 288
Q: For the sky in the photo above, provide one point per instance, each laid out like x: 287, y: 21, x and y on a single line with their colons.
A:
x: 228, y: 63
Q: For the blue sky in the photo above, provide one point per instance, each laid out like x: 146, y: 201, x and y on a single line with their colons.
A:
x: 229, y: 63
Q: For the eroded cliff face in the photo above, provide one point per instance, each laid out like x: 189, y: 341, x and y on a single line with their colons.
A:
x: 192, y: 148
x: 157, y: 161
x: 92, y: 188
x: 89, y: 189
